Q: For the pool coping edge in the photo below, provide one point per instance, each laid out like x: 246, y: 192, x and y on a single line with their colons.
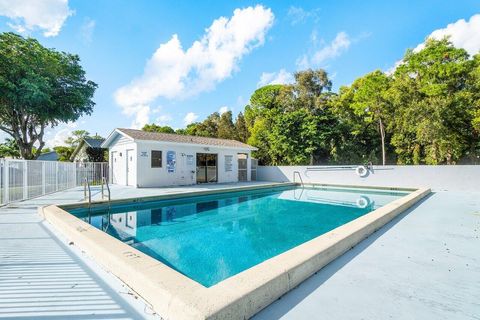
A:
x: 175, y: 296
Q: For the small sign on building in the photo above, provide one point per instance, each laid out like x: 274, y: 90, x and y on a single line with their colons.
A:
x: 171, y: 161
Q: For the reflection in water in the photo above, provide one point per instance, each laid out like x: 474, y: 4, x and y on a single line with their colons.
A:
x: 212, y: 238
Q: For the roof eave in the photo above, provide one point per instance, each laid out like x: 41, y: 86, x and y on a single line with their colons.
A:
x: 106, y: 143
x: 247, y: 147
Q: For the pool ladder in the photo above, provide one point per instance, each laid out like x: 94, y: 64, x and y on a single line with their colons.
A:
x: 88, y: 191
x: 300, y: 176
x: 86, y: 187
x: 105, y: 182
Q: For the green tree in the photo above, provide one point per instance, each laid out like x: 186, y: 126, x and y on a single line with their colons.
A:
x: 433, y: 104
x: 311, y: 91
x: 260, y: 138
x: 474, y: 152
x: 190, y: 130
x: 293, y: 124
x: 265, y: 103
x: 156, y: 128
x: 9, y: 149
x: 310, y: 88
x: 226, y: 128
x: 241, y: 131
x: 76, y: 137
x: 209, y: 127
x: 368, y: 99
x: 64, y: 152
x: 39, y: 87
x: 293, y: 138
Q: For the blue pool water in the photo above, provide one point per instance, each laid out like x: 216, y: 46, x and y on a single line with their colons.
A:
x: 210, y: 238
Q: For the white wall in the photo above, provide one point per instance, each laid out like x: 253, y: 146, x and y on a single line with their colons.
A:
x: 460, y: 177
x: 184, y: 174
x: 118, y: 169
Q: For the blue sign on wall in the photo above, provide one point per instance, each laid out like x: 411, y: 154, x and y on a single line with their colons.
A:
x: 171, y: 161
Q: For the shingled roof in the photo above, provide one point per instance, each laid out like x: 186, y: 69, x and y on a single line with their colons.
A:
x: 94, y: 142
x: 179, y: 138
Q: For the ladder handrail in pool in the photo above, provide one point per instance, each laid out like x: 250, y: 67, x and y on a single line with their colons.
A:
x: 86, y: 185
x: 299, y: 175
x: 104, y: 181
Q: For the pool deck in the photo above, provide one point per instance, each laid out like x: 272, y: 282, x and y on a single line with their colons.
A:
x: 425, y: 264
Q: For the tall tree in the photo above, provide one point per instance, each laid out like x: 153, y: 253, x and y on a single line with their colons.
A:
x: 39, y: 87
x: 433, y: 104
x: 311, y: 91
x: 209, y: 127
x: 226, y: 128
x: 293, y: 138
x: 367, y: 98
x: 294, y: 122
x: 475, y: 88
x: 241, y: 131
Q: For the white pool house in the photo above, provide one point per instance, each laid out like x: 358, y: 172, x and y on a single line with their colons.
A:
x: 151, y: 159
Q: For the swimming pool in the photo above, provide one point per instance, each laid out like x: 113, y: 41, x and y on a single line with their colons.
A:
x: 214, y: 237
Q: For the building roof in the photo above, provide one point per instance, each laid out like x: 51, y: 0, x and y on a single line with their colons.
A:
x: 48, y: 156
x: 90, y: 142
x: 178, y: 138
x: 93, y: 142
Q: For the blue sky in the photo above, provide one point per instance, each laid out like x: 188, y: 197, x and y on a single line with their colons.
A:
x: 258, y: 43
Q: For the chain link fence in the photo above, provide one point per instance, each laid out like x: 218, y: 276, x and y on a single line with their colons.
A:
x: 26, y: 179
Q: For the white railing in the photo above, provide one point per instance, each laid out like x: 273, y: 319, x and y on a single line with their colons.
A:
x: 26, y: 179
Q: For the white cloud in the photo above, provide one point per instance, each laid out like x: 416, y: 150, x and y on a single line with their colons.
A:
x: 29, y: 15
x: 86, y: 30
x: 191, y: 117
x: 161, y: 118
x: 299, y: 15
x: 339, y: 45
x: 463, y: 34
x: 223, y: 109
x: 280, y: 77
x: 57, y: 136
x: 173, y: 72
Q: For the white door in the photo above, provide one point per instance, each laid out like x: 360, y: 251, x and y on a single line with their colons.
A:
x: 114, y: 167
x: 130, y: 167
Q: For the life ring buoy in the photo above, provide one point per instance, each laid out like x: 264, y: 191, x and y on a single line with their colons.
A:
x: 363, y: 202
x: 361, y: 171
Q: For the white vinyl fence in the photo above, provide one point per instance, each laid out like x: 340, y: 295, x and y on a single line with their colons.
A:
x: 26, y: 179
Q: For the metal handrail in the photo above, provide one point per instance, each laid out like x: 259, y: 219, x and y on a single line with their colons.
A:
x: 86, y: 185
x: 299, y: 175
x: 104, y: 181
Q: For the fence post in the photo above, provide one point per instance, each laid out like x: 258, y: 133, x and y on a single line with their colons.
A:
x: 74, y: 174
x: 6, y: 178
x: 43, y: 178
x: 2, y: 184
x: 56, y: 176
x: 25, y: 180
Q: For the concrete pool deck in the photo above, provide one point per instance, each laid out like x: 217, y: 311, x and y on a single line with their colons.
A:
x: 424, y: 264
